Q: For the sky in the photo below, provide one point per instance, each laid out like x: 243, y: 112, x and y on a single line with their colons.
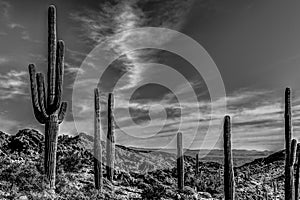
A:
x: 254, y: 44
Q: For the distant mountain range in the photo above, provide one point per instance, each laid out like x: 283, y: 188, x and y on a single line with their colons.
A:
x: 240, y: 157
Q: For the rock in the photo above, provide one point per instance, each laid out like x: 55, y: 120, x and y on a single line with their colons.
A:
x: 23, y: 197
x: 204, y: 195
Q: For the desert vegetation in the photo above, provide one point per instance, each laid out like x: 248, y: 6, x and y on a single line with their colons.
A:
x: 37, y: 166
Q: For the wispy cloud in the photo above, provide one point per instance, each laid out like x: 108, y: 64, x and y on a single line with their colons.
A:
x: 4, y: 6
x: 256, y: 114
x: 10, y: 23
x: 18, y: 27
x: 13, y: 83
x: 108, y: 25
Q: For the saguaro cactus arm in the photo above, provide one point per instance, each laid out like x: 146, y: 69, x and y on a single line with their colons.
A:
x: 39, y: 115
x: 293, y: 152
x: 58, y: 76
x: 41, y: 93
x: 62, y: 112
x: 52, y: 42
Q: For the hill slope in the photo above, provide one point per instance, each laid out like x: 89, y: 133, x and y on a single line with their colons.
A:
x: 140, y: 173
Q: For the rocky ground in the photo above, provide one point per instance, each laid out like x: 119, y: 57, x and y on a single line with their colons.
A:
x: 139, y: 174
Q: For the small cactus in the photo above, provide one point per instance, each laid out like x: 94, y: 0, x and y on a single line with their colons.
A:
x: 180, y: 162
x: 197, y: 164
x: 274, y: 184
x: 228, y: 163
x: 97, y: 143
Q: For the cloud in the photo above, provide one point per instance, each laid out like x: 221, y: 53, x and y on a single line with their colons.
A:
x: 3, y: 60
x: 18, y: 27
x: 6, y: 18
x: 14, y: 26
x: 108, y: 24
x: 4, y: 6
x: 6, y: 124
x: 70, y: 70
x: 74, y: 70
x: 254, y: 113
x: 13, y: 83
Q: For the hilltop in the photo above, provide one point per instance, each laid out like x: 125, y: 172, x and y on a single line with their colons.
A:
x: 139, y: 173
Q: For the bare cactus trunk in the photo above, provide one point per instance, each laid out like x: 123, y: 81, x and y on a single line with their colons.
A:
x: 97, y: 143
x: 180, y: 162
x: 293, y: 160
x: 51, y: 127
x: 228, y: 163
x: 288, y: 190
x: 48, y: 108
x: 110, y: 142
x: 197, y: 164
x: 297, y: 177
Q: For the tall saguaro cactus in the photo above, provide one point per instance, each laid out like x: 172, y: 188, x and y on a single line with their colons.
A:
x: 48, y: 108
x: 289, y: 185
x: 110, y: 140
x: 97, y: 143
x: 180, y: 162
x: 228, y: 163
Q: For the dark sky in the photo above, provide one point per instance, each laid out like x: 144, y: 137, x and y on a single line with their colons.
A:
x: 255, y: 45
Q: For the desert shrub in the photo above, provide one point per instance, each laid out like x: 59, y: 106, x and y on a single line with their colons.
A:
x: 23, y: 175
x: 189, y: 191
x: 154, y: 191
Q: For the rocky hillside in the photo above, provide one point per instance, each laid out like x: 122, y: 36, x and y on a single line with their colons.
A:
x: 140, y: 174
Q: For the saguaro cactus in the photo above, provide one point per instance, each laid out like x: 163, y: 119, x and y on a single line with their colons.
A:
x: 293, y: 152
x: 297, y: 177
x: 110, y: 140
x: 97, y: 143
x: 228, y: 164
x: 289, y: 185
x: 293, y: 160
x: 180, y: 162
x: 48, y: 108
x: 197, y: 164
